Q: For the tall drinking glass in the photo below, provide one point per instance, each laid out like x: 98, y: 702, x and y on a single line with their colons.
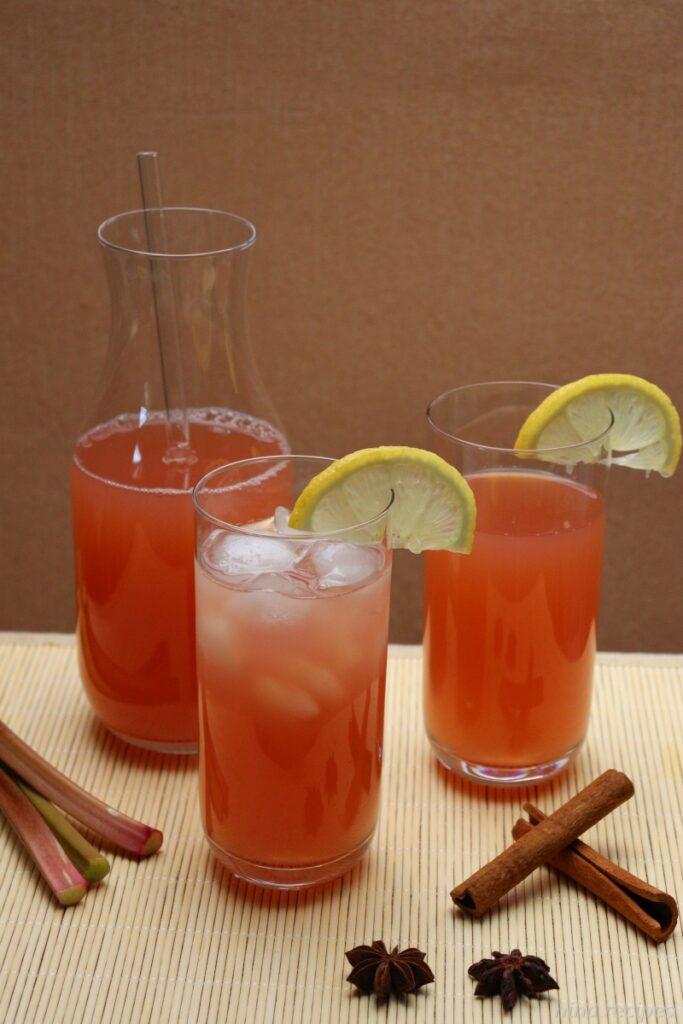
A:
x: 510, y: 629
x: 291, y: 659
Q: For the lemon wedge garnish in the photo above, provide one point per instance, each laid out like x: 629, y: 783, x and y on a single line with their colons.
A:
x: 646, y: 428
x: 433, y: 506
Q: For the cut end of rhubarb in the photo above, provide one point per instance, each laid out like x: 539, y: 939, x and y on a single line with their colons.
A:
x: 97, y: 869
x: 67, y: 897
x: 115, y: 827
x: 153, y: 842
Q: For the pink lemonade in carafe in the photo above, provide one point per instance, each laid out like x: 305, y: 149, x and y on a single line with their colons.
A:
x: 134, y: 549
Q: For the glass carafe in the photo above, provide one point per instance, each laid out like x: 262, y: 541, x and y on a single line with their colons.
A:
x: 180, y: 395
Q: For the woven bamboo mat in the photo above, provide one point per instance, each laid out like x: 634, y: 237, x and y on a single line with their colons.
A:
x: 174, y: 938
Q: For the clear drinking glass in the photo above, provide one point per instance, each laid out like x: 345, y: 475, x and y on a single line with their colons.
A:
x: 179, y: 395
x: 510, y: 629
x: 291, y: 659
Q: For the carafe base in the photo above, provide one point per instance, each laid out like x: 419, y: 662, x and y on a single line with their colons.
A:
x: 173, y: 747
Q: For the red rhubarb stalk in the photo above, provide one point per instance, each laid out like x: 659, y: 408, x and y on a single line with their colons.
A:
x: 82, y: 854
x: 66, y: 882
x: 114, y: 826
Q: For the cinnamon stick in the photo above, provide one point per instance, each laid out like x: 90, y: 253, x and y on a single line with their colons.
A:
x: 652, y: 911
x: 485, y: 887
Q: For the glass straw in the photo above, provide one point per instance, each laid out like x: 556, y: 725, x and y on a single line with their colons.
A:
x: 168, y: 340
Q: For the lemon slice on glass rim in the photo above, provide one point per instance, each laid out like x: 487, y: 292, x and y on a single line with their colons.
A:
x: 433, y: 506
x: 646, y: 426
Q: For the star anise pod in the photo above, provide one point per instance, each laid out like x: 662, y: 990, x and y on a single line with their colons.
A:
x: 377, y: 970
x: 511, y: 974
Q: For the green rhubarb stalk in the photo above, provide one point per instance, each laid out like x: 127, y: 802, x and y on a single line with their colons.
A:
x: 82, y: 854
x: 66, y: 882
x: 114, y: 826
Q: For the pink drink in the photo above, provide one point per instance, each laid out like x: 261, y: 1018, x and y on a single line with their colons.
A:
x: 134, y: 546
x: 510, y: 629
x: 291, y: 661
x: 509, y: 640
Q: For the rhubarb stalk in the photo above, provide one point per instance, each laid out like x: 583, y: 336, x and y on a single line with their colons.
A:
x: 86, y: 858
x: 66, y: 882
x: 114, y: 826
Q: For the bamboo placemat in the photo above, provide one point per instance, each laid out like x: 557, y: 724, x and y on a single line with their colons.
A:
x: 174, y: 938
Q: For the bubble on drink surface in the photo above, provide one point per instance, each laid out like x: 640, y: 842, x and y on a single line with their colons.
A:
x: 340, y: 564
x: 245, y: 555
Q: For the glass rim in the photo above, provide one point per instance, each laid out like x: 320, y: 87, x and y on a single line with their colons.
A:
x: 152, y: 254
x: 300, y: 535
x: 449, y: 435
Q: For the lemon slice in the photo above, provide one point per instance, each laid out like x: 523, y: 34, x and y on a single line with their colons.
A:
x: 647, y: 428
x: 433, y: 506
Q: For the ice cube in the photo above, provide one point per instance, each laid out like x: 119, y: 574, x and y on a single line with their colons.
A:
x: 339, y: 564
x: 272, y: 601
x: 276, y: 696
x: 279, y: 583
x: 281, y: 520
x: 263, y: 525
x: 216, y: 636
x: 238, y: 554
x: 317, y: 680
x: 216, y: 640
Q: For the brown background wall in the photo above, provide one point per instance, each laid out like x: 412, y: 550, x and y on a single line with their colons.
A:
x: 444, y: 192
